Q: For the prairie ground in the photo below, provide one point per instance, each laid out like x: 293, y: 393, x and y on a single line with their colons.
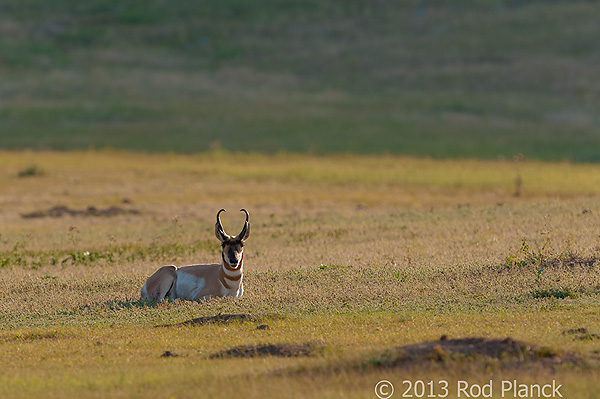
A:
x: 354, y: 256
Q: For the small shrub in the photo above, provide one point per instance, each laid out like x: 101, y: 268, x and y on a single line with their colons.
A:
x: 32, y: 171
x: 555, y: 293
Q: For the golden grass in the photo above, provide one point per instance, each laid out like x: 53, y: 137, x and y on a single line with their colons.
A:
x: 178, y: 179
x: 127, y: 362
x: 361, y: 253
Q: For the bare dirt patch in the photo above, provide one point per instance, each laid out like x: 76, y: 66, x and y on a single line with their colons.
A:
x: 508, y: 352
x: 61, y: 211
x: 220, y: 318
x: 570, y: 262
x: 581, y: 334
x: 279, y: 350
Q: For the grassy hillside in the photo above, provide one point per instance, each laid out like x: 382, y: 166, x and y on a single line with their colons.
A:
x: 480, y: 78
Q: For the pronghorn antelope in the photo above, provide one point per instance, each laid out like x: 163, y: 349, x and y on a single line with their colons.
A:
x: 199, y: 282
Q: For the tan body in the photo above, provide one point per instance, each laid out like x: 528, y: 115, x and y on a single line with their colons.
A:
x: 194, y: 283
x: 201, y: 282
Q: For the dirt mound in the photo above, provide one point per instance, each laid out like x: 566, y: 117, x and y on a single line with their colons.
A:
x: 507, y: 351
x: 569, y: 263
x: 220, y: 318
x: 581, y: 334
x: 60, y: 211
x: 280, y: 350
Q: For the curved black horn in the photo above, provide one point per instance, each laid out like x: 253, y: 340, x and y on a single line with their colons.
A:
x: 219, y: 231
x: 246, y: 230
x: 247, y: 214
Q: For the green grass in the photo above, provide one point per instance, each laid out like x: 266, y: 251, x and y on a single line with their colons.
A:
x: 452, y: 79
x: 359, y: 255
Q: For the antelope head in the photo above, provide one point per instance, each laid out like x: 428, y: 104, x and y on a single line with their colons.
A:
x: 233, y: 246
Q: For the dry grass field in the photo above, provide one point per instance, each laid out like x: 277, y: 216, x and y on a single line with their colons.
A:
x: 353, y: 256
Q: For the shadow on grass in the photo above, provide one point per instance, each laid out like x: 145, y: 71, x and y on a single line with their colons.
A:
x: 219, y: 318
x: 554, y: 293
x: 112, y: 304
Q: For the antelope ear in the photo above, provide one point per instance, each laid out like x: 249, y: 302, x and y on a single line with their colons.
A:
x: 245, y: 233
x: 219, y: 232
